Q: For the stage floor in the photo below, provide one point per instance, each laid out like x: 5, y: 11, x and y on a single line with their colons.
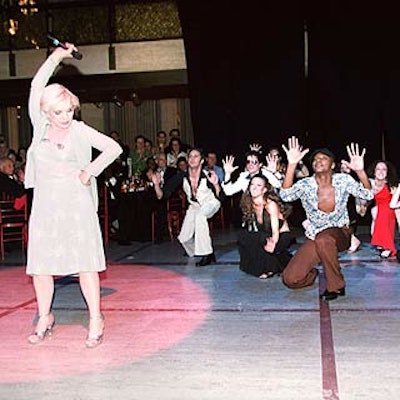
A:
x: 176, y: 331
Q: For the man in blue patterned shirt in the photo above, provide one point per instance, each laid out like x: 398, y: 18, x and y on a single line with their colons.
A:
x: 324, y: 198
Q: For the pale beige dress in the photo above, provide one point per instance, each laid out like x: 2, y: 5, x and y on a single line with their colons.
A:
x: 64, y: 230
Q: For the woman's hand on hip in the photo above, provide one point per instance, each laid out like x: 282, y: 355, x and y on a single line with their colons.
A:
x: 84, y: 177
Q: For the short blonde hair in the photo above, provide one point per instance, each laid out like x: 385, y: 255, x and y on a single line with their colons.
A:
x: 54, y: 94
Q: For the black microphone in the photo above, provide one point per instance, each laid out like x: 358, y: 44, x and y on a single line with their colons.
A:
x: 57, y: 43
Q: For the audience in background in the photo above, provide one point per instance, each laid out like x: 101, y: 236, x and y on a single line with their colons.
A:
x: 211, y: 165
x: 181, y: 164
x: 148, y: 145
x: 161, y: 141
x: 21, y: 159
x: 10, y: 184
x: 125, y: 148
x: 176, y: 151
x: 176, y: 133
x: 166, y: 172
x: 3, y: 147
x: 139, y: 155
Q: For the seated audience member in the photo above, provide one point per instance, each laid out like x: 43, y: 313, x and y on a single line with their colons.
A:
x: 175, y: 133
x: 125, y: 148
x: 166, y: 172
x: 181, y: 164
x: 151, y: 166
x: 113, y: 177
x: 139, y: 155
x: 3, y: 147
x: 265, y: 238
x: 119, y: 167
x: 175, y: 152
x: 211, y: 165
x: 204, y: 196
x: 21, y: 160
x: 8, y: 183
x: 384, y: 182
x: 12, y: 155
x: 324, y: 196
x: 161, y: 141
x: 148, y: 145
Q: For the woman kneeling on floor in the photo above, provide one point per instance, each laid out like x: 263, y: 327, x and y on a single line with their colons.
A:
x: 265, y: 238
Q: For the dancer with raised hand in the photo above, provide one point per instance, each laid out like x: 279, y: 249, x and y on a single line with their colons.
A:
x: 324, y: 198
x: 64, y: 232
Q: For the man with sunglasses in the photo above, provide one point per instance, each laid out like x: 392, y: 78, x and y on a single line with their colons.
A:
x: 253, y: 167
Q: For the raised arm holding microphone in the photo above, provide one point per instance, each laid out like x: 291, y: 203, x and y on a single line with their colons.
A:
x: 64, y: 232
x: 324, y: 198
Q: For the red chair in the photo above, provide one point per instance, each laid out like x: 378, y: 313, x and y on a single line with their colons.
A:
x: 13, y: 225
x: 176, y: 210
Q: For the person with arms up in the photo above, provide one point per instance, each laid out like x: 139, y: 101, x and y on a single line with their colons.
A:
x: 253, y: 167
x: 324, y: 196
x: 204, y: 196
x: 64, y: 232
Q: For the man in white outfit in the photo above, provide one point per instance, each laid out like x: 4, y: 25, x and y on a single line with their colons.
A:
x: 204, y: 196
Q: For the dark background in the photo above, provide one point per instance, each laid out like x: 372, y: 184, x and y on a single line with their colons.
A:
x: 246, y: 74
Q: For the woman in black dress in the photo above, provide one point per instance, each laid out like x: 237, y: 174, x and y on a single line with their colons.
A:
x: 265, y: 238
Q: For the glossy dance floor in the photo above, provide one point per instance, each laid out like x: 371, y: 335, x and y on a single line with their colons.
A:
x: 176, y: 331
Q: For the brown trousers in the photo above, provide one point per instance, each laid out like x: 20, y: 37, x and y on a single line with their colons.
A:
x: 324, y: 249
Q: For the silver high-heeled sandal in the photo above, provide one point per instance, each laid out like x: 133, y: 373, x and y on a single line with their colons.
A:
x: 93, y: 341
x: 39, y: 336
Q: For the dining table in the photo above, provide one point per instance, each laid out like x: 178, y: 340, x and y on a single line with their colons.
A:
x: 134, y: 214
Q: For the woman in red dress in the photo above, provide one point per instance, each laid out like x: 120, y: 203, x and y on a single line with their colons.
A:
x: 383, y: 216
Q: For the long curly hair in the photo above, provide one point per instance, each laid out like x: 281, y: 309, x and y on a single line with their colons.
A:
x: 391, y: 178
x: 247, y: 205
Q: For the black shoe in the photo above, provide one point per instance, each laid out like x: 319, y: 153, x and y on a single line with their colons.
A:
x: 327, y: 296
x: 206, y: 260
